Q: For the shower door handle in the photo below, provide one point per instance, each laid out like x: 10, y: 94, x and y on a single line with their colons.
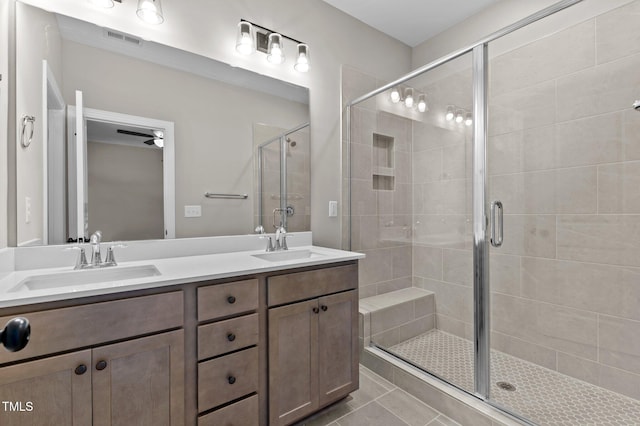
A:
x: 497, y: 228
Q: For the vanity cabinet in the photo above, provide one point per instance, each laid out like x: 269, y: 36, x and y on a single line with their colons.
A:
x: 228, y: 353
x: 138, y: 381
x: 313, y: 336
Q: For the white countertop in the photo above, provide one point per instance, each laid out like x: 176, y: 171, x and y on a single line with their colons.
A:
x: 173, y: 270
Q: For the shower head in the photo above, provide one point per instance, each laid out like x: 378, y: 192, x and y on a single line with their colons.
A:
x: 636, y: 105
x: 292, y: 143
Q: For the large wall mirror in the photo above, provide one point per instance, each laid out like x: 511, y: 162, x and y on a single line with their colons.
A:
x: 145, y: 141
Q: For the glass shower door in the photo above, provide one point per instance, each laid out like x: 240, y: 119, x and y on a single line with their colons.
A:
x: 411, y: 187
x: 564, y: 159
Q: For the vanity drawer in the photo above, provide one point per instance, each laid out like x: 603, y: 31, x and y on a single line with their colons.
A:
x: 58, y: 330
x: 226, y: 336
x: 289, y: 288
x: 227, y: 378
x: 241, y: 413
x: 217, y: 301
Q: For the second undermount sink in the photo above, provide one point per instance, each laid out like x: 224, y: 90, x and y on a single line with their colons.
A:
x: 86, y: 276
x: 284, y: 255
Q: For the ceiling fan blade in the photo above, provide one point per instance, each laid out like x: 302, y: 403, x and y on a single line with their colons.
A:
x: 130, y: 133
x: 150, y: 142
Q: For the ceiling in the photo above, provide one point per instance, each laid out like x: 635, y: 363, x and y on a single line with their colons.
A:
x: 411, y: 21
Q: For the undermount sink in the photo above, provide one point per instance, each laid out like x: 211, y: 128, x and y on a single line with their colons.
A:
x: 284, y: 255
x: 86, y: 276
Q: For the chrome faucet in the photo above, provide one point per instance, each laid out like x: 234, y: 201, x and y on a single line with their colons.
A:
x: 281, y: 238
x: 96, y: 257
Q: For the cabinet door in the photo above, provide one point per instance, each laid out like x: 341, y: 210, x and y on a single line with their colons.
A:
x: 338, y: 345
x: 140, y: 382
x: 293, y: 364
x: 51, y: 391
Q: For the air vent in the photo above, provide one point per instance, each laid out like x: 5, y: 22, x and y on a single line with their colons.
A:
x: 114, y: 35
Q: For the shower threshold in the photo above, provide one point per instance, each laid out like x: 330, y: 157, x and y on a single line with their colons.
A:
x: 538, y: 394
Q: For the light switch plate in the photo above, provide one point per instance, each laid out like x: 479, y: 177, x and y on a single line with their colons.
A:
x: 192, y: 211
x: 333, y: 208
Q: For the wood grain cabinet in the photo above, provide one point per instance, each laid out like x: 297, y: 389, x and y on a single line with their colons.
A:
x: 313, y: 356
x: 136, y: 381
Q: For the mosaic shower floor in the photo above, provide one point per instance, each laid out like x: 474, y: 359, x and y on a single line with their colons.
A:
x: 541, y: 395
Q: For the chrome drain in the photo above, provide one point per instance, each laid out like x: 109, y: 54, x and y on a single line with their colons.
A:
x: 506, y: 386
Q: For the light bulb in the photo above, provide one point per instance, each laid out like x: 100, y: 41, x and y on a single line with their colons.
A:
x: 459, y: 117
x: 449, y: 115
x: 159, y: 143
x: 302, y: 63
x: 422, y: 103
x: 150, y: 11
x: 275, y: 54
x: 107, y: 4
x: 244, y: 42
x: 468, y: 120
x: 408, y: 98
x: 395, y: 95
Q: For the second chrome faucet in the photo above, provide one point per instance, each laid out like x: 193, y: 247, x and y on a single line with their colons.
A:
x: 96, y: 255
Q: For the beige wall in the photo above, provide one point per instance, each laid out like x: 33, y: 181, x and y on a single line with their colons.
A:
x: 41, y: 42
x: 125, y: 191
x: 213, y: 128
x: 209, y: 28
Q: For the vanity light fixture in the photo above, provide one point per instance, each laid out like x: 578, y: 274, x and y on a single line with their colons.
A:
x: 468, y: 120
x: 408, y: 98
x: 450, y: 113
x: 302, y: 63
x: 422, y: 103
x: 395, y: 95
x: 150, y: 11
x: 252, y: 37
x: 244, y: 42
x: 275, y: 54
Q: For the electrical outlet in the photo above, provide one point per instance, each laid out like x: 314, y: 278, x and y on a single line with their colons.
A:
x: 192, y: 211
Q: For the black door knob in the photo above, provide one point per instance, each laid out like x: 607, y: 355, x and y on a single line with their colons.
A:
x: 324, y: 307
x: 15, y: 335
x: 81, y: 369
x: 101, y: 365
x: 231, y: 380
x: 316, y: 310
x: 231, y: 299
x: 231, y: 337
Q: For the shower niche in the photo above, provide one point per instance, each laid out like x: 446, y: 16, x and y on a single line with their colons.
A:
x: 383, y: 162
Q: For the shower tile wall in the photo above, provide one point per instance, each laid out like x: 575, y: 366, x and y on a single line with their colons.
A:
x: 381, y: 218
x: 564, y: 158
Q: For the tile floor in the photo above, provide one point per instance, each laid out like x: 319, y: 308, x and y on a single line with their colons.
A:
x: 542, y: 395
x: 378, y: 403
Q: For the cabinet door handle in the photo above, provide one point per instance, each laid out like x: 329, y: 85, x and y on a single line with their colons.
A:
x: 80, y: 370
x: 231, y: 380
x: 231, y: 337
x: 101, y: 365
x: 316, y: 310
x: 324, y: 307
x: 231, y: 300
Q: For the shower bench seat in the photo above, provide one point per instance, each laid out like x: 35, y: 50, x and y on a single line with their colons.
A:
x: 390, y: 318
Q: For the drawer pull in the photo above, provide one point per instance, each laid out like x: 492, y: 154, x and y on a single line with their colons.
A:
x: 231, y: 380
x: 231, y: 300
x: 231, y: 337
x: 316, y: 310
x: 80, y: 370
x: 101, y: 365
x: 324, y: 307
